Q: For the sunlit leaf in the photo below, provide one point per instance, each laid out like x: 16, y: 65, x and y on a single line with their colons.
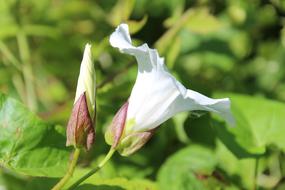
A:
x: 260, y: 122
x: 41, y: 30
x: 99, y: 181
x: 136, y: 26
x: 179, y: 120
x: 176, y: 14
x: 8, y: 30
x: 173, y: 52
x: 201, y: 21
x: 180, y: 170
x: 244, y: 168
x: 121, y: 12
x: 197, y: 20
x: 27, y: 144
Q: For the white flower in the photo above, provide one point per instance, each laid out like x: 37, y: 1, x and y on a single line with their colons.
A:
x: 86, y: 80
x: 157, y: 95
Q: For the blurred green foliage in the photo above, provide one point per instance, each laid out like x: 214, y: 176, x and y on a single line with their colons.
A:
x: 214, y: 47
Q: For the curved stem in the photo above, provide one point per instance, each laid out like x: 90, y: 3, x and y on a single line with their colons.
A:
x: 94, y: 170
x: 69, y: 172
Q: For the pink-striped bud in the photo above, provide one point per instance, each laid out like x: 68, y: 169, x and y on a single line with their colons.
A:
x: 123, y: 140
x: 80, y: 131
x: 115, y: 130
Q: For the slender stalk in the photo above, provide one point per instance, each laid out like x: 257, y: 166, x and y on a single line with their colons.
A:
x: 69, y: 172
x: 19, y: 86
x: 27, y: 70
x: 11, y: 60
x: 94, y: 170
x: 10, y: 56
x: 255, y: 174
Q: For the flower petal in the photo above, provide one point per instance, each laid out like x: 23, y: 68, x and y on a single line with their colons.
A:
x: 147, y: 58
x: 154, y: 90
x: 192, y: 100
x: 121, y: 38
x: 157, y: 95
x: 86, y: 80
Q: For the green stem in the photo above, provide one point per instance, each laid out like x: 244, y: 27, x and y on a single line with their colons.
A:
x: 25, y: 55
x: 10, y: 56
x: 94, y: 170
x: 13, y: 61
x: 69, y: 172
x: 255, y: 174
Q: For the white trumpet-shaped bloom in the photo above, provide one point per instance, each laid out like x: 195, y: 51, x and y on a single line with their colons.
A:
x: 157, y: 95
x: 86, y: 80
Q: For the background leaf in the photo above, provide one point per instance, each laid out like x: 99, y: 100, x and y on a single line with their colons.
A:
x: 29, y: 145
x: 260, y: 123
x: 101, y: 180
x: 180, y: 170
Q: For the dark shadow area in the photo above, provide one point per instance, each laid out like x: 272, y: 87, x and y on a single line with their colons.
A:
x: 229, y: 140
x: 214, y: 46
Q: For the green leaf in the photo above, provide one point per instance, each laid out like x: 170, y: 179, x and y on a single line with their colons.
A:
x: 201, y: 21
x: 239, y: 139
x: 41, y: 30
x: 118, y: 184
x: 9, y: 30
x: 136, y: 26
x: 178, y: 172
x: 243, y: 168
x: 121, y: 12
x: 27, y: 144
x: 260, y: 123
x: 163, y: 43
x: 12, y: 181
x: 176, y: 14
x: 173, y: 52
x: 179, y: 121
x: 100, y: 181
x: 194, y: 20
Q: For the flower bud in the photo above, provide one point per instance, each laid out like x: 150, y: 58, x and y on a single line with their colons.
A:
x: 120, y: 138
x: 87, y: 81
x: 80, y: 131
x: 115, y: 130
x: 133, y: 142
